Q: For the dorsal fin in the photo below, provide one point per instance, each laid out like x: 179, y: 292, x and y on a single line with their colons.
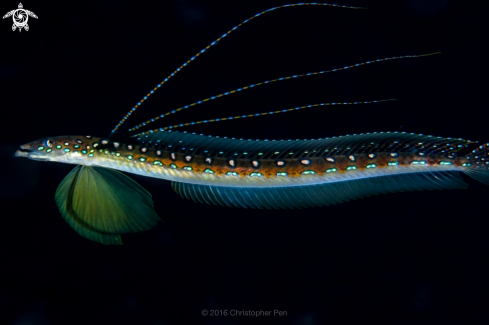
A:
x: 254, y: 115
x: 215, y: 42
x: 273, y: 80
x: 263, y: 149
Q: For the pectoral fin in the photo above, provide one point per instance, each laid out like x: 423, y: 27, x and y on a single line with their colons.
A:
x: 101, y: 203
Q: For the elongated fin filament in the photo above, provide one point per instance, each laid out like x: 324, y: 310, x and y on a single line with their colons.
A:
x: 257, y: 114
x: 273, y: 80
x: 216, y: 41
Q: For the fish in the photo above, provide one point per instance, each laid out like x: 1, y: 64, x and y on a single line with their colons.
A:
x: 101, y: 203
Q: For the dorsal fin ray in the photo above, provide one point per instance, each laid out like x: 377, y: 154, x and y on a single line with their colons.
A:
x: 274, y: 80
x: 395, y: 142
x: 253, y: 115
x: 216, y: 41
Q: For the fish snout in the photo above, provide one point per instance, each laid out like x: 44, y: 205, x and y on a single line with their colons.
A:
x: 26, y: 146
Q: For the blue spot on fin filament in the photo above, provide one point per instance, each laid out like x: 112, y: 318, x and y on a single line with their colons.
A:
x: 253, y: 115
x: 297, y: 197
x: 273, y: 80
x: 217, y: 40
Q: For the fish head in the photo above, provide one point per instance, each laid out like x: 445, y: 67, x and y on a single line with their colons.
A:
x: 66, y: 149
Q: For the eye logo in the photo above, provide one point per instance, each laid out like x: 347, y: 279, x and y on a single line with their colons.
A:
x: 20, y: 17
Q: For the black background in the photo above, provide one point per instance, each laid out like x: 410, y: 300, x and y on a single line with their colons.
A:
x: 405, y: 258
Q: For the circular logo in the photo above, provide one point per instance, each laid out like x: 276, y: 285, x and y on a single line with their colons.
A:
x: 20, y: 17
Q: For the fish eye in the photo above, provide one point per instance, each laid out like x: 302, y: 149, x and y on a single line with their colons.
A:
x: 48, y: 143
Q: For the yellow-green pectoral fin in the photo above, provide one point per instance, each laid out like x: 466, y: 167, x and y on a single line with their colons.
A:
x: 101, y: 203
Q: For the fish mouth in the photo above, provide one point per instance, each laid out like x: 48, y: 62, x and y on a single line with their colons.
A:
x: 23, y: 152
x: 26, y: 152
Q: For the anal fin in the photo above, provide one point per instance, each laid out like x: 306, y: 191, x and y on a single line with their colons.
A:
x: 296, y: 197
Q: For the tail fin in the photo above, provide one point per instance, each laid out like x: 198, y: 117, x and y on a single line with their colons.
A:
x: 478, y: 164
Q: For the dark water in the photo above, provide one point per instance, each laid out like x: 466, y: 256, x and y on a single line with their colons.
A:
x: 406, y: 258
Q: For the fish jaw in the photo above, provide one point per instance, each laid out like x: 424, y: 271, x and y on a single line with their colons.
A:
x: 21, y: 154
x: 33, y: 155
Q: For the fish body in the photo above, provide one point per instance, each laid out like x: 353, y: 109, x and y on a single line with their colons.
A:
x: 204, y: 160
x: 274, y: 174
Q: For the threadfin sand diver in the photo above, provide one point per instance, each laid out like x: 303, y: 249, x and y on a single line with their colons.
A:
x: 101, y: 203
